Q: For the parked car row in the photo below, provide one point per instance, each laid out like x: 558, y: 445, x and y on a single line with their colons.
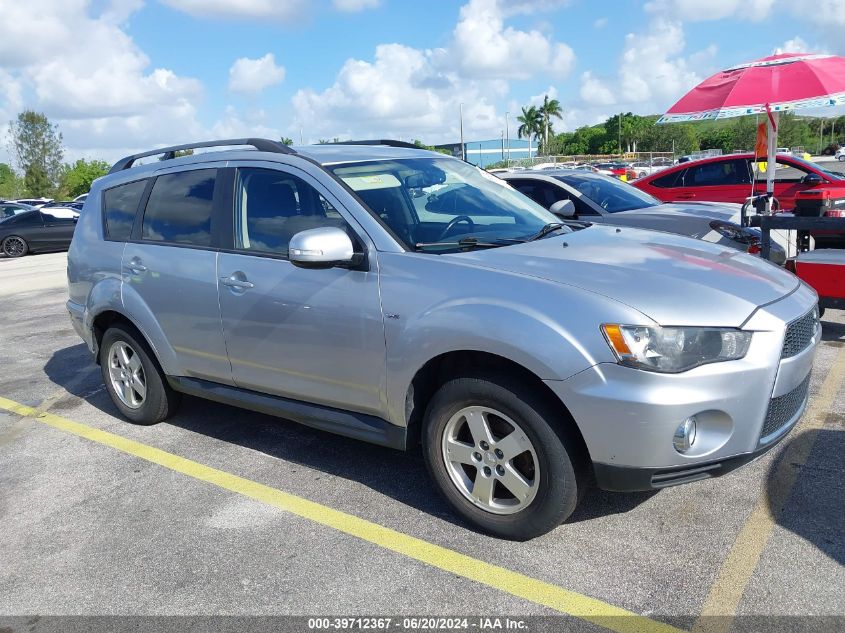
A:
x: 597, y: 198
x: 36, y: 231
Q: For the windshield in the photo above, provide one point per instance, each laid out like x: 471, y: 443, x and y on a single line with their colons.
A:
x: 443, y: 200
x: 610, y: 194
x: 808, y: 166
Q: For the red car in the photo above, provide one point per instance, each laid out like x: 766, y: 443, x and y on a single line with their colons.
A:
x: 728, y: 179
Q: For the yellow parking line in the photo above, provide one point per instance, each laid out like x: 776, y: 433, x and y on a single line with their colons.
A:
x: 511, y: 582
x: 742, y: 559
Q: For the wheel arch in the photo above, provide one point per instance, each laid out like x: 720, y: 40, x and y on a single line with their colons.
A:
x: 110, y: 317
x: 443, y: 367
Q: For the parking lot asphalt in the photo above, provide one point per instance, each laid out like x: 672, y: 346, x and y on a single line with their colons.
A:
x: 224, y: 511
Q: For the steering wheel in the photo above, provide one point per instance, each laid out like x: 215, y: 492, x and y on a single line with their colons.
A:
x: 454, y: 222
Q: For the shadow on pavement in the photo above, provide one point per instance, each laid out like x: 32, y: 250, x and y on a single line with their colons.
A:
x: 397, y: 474
x: 832, y: 331
x: 815, y: 508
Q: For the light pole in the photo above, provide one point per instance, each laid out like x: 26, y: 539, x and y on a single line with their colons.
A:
x: 463, y: 150
x: 620, y: 134
x: 508, y: 139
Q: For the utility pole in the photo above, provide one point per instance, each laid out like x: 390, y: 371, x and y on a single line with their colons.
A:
x: 508, y: 139
x: 821, y: 133
x: 620, y: 134
x: 463, y: 150
x: 300, y: 137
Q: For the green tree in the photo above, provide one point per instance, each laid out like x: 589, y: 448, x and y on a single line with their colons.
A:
x: 37, y: 146
x: 431, y: 148
x: 529, y: 124
x: 628, y: 131
x: 36, y: 181
x: 77, y: 178
x: 549, y: 110
x: 721, y: 137
x: 11, y: 185
x: 286, y: 140
x: 680, y: 138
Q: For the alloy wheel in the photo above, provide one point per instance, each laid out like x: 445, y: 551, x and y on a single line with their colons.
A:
x: 490, y: 460
x: 127, y: 375
x: 14, y: 246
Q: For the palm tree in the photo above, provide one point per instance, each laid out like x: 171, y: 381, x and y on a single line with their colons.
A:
x: 529, y: 124
x: 550, y: 108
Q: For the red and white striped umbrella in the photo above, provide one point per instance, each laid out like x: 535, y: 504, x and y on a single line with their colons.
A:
x: 771, y: 85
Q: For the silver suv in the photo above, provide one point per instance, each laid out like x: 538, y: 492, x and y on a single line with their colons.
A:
x: 399, y: 296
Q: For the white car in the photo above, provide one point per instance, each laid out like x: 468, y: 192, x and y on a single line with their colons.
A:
x: 840, y: 154
x: 36, y: 203
x: 80, y: 198
x: 61, y: 212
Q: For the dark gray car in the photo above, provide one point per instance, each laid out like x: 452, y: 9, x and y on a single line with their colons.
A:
x: 598, y: 198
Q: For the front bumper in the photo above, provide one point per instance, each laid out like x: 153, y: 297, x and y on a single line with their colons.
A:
x: 628, y: 417
x: 630, y: 479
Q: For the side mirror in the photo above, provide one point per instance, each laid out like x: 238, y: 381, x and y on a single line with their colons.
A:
x: 563, y: 209
x: 324, y: 247
x: 811, y: 179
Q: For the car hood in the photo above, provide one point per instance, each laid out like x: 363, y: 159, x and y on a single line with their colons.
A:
x: 698, y: 209
x: 672, y: 279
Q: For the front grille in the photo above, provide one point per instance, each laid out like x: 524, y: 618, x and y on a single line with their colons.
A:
x: 799, y: 334
x: 783, y: 408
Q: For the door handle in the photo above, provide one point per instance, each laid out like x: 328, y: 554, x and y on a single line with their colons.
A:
x: 686, y: 196
x: 136, y: 267
x: 233, y: 282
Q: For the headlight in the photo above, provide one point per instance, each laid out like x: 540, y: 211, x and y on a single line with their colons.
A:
x: 674, y: 349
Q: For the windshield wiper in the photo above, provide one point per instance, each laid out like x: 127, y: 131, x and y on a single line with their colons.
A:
x: 549, y: 228
x: 466, y: 242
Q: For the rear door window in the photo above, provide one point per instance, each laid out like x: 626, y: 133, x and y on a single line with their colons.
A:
x: 719, y: 173
x: 179, y: 208
x: 119, y: 207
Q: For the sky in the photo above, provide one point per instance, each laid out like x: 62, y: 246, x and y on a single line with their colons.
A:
x: 120, y: 76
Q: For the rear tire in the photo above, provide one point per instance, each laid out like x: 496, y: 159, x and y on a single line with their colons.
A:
x: 520, y: 482
x: 15, y: 246
x: 841, y: 157
x: 136, y: 384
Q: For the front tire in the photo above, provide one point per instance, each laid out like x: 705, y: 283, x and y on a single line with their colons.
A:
x: 15, y: 246
x: 133, y: 379
x: 841, y: 157
x: 501, y: 457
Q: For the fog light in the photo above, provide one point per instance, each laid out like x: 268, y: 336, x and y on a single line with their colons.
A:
x: 684, y: 436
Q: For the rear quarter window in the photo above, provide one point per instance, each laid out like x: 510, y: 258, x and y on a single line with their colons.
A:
x: 179, y: 208
x: 675, y: 179
x: 120, y: 205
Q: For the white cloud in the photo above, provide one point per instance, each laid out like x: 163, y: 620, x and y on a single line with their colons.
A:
x: 595, y: 91
x: 825, y: 13
x: 697, y: 11
x: 276, y: 10
x: 400, y: 93
x: 527, y: 7
x: 351, y: 6
x: 483, y: 47
x: 92, y: 78
x: 600, y: 23
x: 407, y: 92
x: 661, y: 74
x: 795, y: 45
x: 254, y: 75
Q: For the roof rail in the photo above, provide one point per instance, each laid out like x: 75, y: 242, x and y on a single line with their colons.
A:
x: 261, y: 144
x: 384, y: 141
